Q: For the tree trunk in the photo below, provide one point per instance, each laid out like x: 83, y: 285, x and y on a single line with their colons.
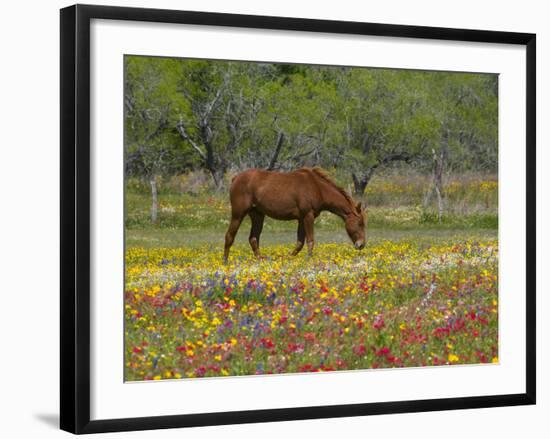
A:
x: 439, y: 194
x: 217, y: 175
x: 275, y: 157
x: 360, y: 182
x: 154, y: 199
x: 438, y: 167
x: 359, y: 185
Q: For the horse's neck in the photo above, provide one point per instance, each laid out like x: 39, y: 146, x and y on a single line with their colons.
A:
x: 334, y: 201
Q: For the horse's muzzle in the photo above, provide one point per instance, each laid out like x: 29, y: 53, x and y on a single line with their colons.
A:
x: 359, y: 245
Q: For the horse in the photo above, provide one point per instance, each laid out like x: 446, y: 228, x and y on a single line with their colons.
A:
x: 297, y: 195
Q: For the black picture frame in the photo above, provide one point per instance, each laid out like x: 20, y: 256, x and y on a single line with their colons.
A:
x: 75, y: 217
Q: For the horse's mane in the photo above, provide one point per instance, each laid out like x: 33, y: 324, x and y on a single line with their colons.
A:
x: 323, y: 175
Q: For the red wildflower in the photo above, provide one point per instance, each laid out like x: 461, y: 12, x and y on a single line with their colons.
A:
x: 378, y: 323
x: 267, y: 343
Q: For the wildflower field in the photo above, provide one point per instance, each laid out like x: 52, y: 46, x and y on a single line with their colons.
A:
x: 405, y: 301
x: 421, y: 293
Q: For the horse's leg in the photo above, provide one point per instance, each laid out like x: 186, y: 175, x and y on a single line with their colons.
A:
x: 301, y: 238
x: 257, y: 219
x: 234, y: 224
x: 308, y: 226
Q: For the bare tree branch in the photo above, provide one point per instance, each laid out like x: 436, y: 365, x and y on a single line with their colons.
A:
x: 402, y: 156
x: 301, y: 155
x: 275, y: 156
x: 181, y: 129
x: 212, y: 105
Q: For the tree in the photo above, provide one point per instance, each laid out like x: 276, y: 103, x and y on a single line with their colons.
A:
x: 282, y: 134
x: 465, y: 108
x: 388, y: 120
x: 228, y: 116
x: 151, y: 143
x: 218, y: 113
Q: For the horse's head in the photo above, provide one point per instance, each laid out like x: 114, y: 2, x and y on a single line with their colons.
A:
x: 355, y: 226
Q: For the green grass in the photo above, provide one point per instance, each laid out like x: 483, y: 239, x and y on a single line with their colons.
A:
x: 199, y: 213
x: 393, y: 203
x: 170, y: 238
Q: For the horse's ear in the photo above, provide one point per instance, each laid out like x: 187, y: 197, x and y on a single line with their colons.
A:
x: 358, y: 207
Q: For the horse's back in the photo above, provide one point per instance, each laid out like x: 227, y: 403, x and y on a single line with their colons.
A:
x: 259, y: 178
x: 281, y: 195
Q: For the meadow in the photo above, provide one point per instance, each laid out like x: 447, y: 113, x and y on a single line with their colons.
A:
x: 394, y: 202
x: 422, y: 293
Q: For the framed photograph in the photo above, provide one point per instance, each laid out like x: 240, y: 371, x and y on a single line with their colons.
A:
x: 268, y: 218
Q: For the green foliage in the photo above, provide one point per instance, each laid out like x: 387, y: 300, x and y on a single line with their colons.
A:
x: 152, y: 145
x: 222, y: 117
x: 232, y: 114
x: 466, y: 110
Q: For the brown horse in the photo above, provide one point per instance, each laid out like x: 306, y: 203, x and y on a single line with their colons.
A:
x: 299, y: 195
